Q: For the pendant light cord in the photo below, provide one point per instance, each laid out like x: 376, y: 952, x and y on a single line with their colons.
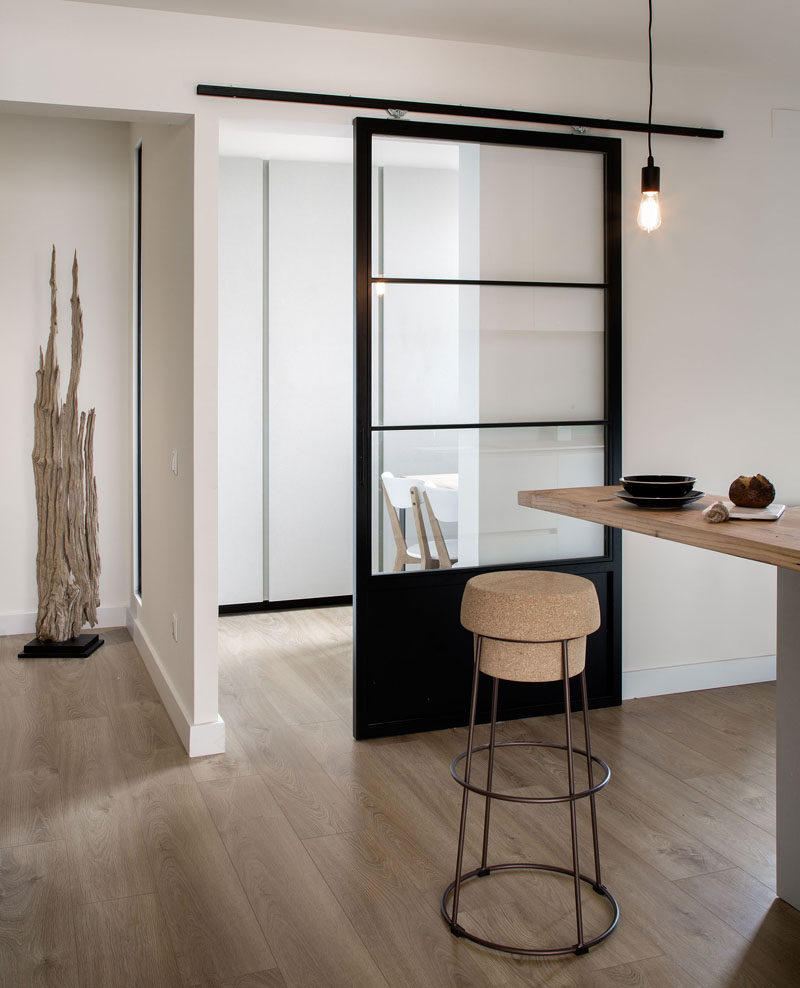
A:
x: 650, y: 109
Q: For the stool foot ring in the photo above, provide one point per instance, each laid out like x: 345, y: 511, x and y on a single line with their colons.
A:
x: 575, y: 948
x: 509, y: 797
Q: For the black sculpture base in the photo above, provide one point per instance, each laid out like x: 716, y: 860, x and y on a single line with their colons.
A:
x: 73, y: 648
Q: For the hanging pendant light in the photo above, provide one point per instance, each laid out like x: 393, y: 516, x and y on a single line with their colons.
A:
x: 649, y: 216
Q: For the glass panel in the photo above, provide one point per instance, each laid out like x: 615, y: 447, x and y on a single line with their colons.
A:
x: 448, y: 354
x: 420, y: 222
x: 487, y: 212
x: 479, y: 472
x: 416, y: 344
x: 541, y: 215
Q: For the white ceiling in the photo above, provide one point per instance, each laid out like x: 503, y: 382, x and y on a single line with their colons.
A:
x: 752, y: 36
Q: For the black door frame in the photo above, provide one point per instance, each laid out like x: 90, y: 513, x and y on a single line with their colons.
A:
x: 432, y: 679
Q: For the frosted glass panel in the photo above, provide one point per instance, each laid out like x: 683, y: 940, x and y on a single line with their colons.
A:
x: 446, y: 354
x: 417, y: 228
x: 486, y: 467
x: 510, y: 460
x: 487, y: 212
x: 541, y: 215
x: 541, y: 354
x: 415, y: 333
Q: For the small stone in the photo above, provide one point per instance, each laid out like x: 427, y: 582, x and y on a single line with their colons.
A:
x: 717, y: 512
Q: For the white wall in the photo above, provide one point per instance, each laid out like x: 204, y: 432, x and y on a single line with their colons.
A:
x: 310, y: 331
x: 717, y: 276
x: 172, y: 508
x: 715, y: 280
x: 64, y: 182
x: 286, y: 380
x: 241, y: 376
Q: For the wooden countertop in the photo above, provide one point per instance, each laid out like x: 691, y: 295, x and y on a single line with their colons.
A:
x: 774, y: 542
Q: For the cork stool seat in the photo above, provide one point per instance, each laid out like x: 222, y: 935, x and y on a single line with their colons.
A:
x: 530, y: 626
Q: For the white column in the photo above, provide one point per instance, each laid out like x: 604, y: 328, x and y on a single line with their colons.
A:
x: 310, y: 380
x: 242, y: 576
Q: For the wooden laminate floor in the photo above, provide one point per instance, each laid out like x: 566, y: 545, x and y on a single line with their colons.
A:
x: 302, y: 858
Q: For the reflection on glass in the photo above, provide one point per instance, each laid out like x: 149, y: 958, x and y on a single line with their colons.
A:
x: 421, y: 495
x: 447, y: 354
x: 487, y: 212
x: 449, y: 497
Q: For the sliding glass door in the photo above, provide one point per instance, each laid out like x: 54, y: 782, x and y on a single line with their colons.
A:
x: 487, y: 361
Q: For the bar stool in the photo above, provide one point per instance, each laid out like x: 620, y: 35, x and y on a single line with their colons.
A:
x: 529, y: 626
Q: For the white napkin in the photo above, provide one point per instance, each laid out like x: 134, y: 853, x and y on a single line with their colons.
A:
x: 772, y: 512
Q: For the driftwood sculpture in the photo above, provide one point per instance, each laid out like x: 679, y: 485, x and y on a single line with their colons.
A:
x: 67, y: 560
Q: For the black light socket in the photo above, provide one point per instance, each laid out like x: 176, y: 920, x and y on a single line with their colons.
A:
x: 651, y: 176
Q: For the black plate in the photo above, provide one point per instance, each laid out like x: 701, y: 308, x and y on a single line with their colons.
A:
x: 657, y: 485
x: 661, y: 502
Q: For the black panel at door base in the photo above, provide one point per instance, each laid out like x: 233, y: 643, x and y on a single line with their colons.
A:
x: 421, y: 681
x: 412, y: 663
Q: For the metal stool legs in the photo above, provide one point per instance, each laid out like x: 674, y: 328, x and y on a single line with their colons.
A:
x: 581, y: 946
x: 489, y: 775
x: 589, y: 772
x: 573, y: 810
x: 462, y: 830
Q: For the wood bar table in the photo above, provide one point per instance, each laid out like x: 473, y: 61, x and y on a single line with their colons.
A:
x: 776, y: 543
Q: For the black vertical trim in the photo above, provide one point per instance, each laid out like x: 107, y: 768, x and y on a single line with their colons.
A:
x: 265, y: 384
x: 362, y: 383
x: 138, y: 291
x: 613, y: 335
x: 613, y: 275
x: 613, y: 265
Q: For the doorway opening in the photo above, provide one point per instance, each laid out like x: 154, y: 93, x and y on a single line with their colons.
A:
x: 286, y: 369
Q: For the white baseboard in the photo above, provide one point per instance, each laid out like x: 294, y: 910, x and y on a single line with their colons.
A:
x: 697, y: 676
x: 197, y: 739
x: 25, y: 623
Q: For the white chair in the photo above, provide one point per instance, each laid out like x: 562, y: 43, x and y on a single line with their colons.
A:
x: 402, y: 493
x: 442, y: 505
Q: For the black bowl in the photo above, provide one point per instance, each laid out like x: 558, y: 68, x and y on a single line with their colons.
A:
x: 657, y: 485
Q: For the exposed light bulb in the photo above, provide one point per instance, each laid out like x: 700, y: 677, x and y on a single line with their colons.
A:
x: 649, y: 215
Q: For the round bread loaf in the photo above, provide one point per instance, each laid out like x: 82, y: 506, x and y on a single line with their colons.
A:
x: 752, y: 492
